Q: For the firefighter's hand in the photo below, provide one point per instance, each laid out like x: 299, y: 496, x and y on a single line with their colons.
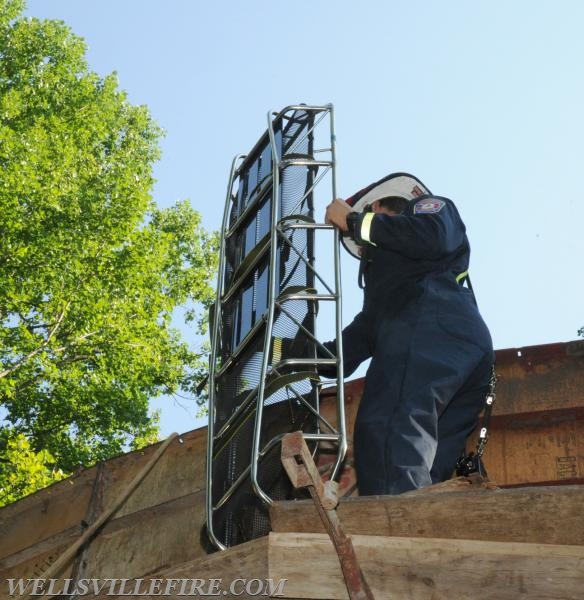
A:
x: 336, y: 214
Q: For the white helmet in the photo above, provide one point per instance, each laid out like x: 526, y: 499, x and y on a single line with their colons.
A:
x: 402, y: 185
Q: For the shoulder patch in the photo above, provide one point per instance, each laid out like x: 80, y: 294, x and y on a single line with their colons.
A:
x: 428, y: 206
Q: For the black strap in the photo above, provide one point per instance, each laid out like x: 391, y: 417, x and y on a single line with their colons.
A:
x: 363, y: 263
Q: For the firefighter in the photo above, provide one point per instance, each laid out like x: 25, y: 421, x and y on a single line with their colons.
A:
x: 431, y: 352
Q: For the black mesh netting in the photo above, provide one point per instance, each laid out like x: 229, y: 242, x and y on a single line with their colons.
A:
x: 239, y: 515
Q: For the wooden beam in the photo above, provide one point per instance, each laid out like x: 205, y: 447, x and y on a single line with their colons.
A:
x: 246, y: 561
x: 428, y: 569
x: 47, y: 513
x: 535, y: 515
x: 550, y: 447
x: 540, y: 378
x: 63, y: 506
x: 180, y: 471
x: 154, y: 538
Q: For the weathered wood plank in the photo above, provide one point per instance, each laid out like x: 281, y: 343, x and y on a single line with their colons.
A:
x: 429, y: 569
x: 149, y: 540
x: 34, y: 567
x: 30, y: 556
x: 524, y: 451
x: 45, y: 514
x: 63, y: 507
x: 142, y: 542
x: 552, y: 515
x: 540, y: 378
x: 246, y: 561
x: 178, y: 472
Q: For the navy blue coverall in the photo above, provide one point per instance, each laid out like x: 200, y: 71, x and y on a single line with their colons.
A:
x: 431, y: 350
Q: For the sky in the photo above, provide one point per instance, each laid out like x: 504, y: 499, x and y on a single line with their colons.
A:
x: 482, y: 100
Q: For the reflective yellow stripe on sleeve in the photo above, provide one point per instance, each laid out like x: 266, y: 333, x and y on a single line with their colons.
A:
x: 366, y: 228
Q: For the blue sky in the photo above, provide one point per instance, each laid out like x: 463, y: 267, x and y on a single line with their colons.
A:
x: 481, y: 100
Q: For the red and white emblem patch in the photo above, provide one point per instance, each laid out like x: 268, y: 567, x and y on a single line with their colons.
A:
x: 428, y: 207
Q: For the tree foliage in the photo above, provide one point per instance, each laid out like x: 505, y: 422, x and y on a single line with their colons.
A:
x: 22, y: 470
x: 92, y: 271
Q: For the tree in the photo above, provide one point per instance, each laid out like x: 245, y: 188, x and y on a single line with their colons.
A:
x: 92, y: 271
x: 23, y: 471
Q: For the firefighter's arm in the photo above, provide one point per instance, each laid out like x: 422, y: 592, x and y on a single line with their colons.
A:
x: 431, y: 227
x: 356, y: 348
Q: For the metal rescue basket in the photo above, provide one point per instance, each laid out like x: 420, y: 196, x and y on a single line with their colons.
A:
x: 263, y: 380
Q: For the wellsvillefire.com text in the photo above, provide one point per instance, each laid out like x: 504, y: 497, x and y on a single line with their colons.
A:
x: 145, y: 587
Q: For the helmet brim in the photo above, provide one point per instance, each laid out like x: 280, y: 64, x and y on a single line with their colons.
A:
x: 402, y: 185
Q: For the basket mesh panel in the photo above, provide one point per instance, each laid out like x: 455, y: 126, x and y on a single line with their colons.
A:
x: 239, y: 515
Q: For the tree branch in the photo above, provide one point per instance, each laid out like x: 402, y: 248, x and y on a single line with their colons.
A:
x: 75, y: 341
x: 38, y: 350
